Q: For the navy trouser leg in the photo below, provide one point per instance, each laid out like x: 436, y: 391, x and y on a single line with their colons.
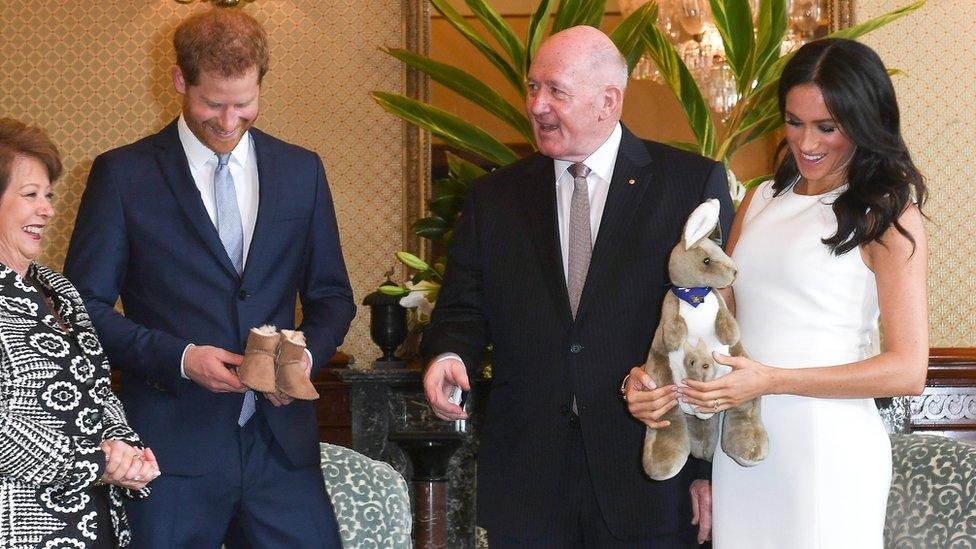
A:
x: 281, y: 506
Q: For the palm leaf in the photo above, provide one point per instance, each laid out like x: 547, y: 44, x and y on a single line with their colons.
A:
x: 430, y: 227
x: 457, y: 21
x: 500, y: 31
x: 683, y: 85
x: 772, y: 24
x: 593, y: 13
x: 578, y: 12
x: 733, y: 19
x: 537, y: 28
x: 567, y: 15
x: 758, y: 129
x: 756, y: 180
x: 627, y: 35
x: 452, y: 129
x: 468, y: 87
x: 463, y: 170
x: 868, y: 26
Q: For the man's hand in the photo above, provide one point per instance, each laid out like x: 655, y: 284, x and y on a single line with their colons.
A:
x: 646, y: 401
x: 207, y: 366
x: 701, y: 508
x: 439, y: 380
x: 278, y: 398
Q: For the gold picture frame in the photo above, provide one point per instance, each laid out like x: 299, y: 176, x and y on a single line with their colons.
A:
x: 840, y: 14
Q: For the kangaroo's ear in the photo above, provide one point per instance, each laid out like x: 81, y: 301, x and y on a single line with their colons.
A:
x: 701, y: 222
x: 701, y: 345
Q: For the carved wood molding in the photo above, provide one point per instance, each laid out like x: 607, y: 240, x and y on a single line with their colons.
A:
x: 948, y: 405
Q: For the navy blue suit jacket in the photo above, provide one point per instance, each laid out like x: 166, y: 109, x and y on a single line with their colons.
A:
x: 143, y: 233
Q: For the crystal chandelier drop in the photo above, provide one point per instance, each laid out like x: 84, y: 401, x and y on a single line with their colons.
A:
x: 688, y: 24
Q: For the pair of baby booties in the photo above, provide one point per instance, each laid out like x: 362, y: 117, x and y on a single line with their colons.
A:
x: 273, y: 362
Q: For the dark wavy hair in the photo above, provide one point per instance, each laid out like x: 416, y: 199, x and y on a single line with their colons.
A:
x: 882, y: 179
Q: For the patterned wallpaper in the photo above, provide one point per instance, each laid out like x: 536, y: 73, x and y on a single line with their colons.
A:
x: 934, y: 47
x: 95, y: 74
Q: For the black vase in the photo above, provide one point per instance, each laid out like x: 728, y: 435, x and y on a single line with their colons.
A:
x: 387, y: 326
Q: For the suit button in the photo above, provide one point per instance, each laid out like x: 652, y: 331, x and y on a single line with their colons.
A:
x: 575, y: 348
x: 243, y: 295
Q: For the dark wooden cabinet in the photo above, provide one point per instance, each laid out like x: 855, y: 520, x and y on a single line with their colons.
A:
x: 332, y: 408
x: 948, y: 405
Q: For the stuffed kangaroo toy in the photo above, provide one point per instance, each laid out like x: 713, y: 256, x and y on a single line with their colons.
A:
x: 694, y: 322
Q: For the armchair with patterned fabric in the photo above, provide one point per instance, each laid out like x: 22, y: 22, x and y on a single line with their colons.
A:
x: 371, y: 501
x: 932, y: 502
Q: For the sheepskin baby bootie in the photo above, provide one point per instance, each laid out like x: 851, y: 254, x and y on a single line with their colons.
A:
x: 292, y: 378
x: 258, y: 369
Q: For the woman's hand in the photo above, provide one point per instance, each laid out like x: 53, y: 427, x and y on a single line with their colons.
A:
x: 127, y: 466
x: 646, y: 401
x: 747, y: 380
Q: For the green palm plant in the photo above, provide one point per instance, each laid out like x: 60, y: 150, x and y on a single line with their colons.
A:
x: 755, y: 61
x: 753, y: 55
x: 511, y: 58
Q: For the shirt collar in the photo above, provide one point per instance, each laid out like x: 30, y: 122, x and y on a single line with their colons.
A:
x: 199, y: 154
x: 601, y: 161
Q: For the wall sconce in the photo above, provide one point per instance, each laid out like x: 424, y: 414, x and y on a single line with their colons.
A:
x: 219, y: 3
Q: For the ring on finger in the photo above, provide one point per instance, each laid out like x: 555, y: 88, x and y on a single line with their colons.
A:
x: 715, y: 404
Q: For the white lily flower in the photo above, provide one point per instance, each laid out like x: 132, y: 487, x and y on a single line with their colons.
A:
x: 422, y: 296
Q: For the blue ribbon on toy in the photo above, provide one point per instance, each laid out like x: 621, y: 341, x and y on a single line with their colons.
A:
x: 691, y: 296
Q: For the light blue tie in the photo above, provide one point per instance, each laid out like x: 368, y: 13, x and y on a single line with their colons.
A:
x: 229, y: 225
x: 231, y: 232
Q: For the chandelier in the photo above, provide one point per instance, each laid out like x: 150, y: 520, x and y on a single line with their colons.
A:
x: 688, y: 25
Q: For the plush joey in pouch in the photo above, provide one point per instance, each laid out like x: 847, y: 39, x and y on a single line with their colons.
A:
x: 257, y: 371
x: 694, y: 322
x: 292, y: 379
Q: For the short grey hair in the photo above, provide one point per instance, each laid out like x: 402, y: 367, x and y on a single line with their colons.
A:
x: 607, y: 60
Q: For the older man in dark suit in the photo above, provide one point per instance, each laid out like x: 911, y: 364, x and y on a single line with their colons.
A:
x: 207, y: 229
x: 560, y: 261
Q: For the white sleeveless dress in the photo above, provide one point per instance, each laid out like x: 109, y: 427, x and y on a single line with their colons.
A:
x: 825, y: 483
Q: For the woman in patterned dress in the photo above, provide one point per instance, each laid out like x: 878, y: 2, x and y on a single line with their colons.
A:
x: 67, y: 455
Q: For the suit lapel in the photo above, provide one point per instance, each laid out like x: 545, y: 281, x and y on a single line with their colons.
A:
x: 267, y: 197
x: 539, y: 207
x: 176, y: 171
x: 631, y: 178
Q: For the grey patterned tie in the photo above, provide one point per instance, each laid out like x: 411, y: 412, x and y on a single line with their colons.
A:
x: 580, y: 239
x: 231, y: 231
x: 229, y: 225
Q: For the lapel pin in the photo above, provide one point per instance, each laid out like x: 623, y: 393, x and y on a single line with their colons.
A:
x: 631, y: 182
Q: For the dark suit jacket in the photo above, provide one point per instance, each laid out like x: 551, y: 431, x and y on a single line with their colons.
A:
x: 505, y: 285
x: 143, y: 233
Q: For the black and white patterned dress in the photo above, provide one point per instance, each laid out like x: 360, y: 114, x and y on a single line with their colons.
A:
x: 56, y: 407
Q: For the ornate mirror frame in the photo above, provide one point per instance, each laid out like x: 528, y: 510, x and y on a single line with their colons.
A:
x: 840, y: 14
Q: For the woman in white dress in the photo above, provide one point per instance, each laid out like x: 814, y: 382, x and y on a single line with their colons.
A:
x: 834, y: 242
